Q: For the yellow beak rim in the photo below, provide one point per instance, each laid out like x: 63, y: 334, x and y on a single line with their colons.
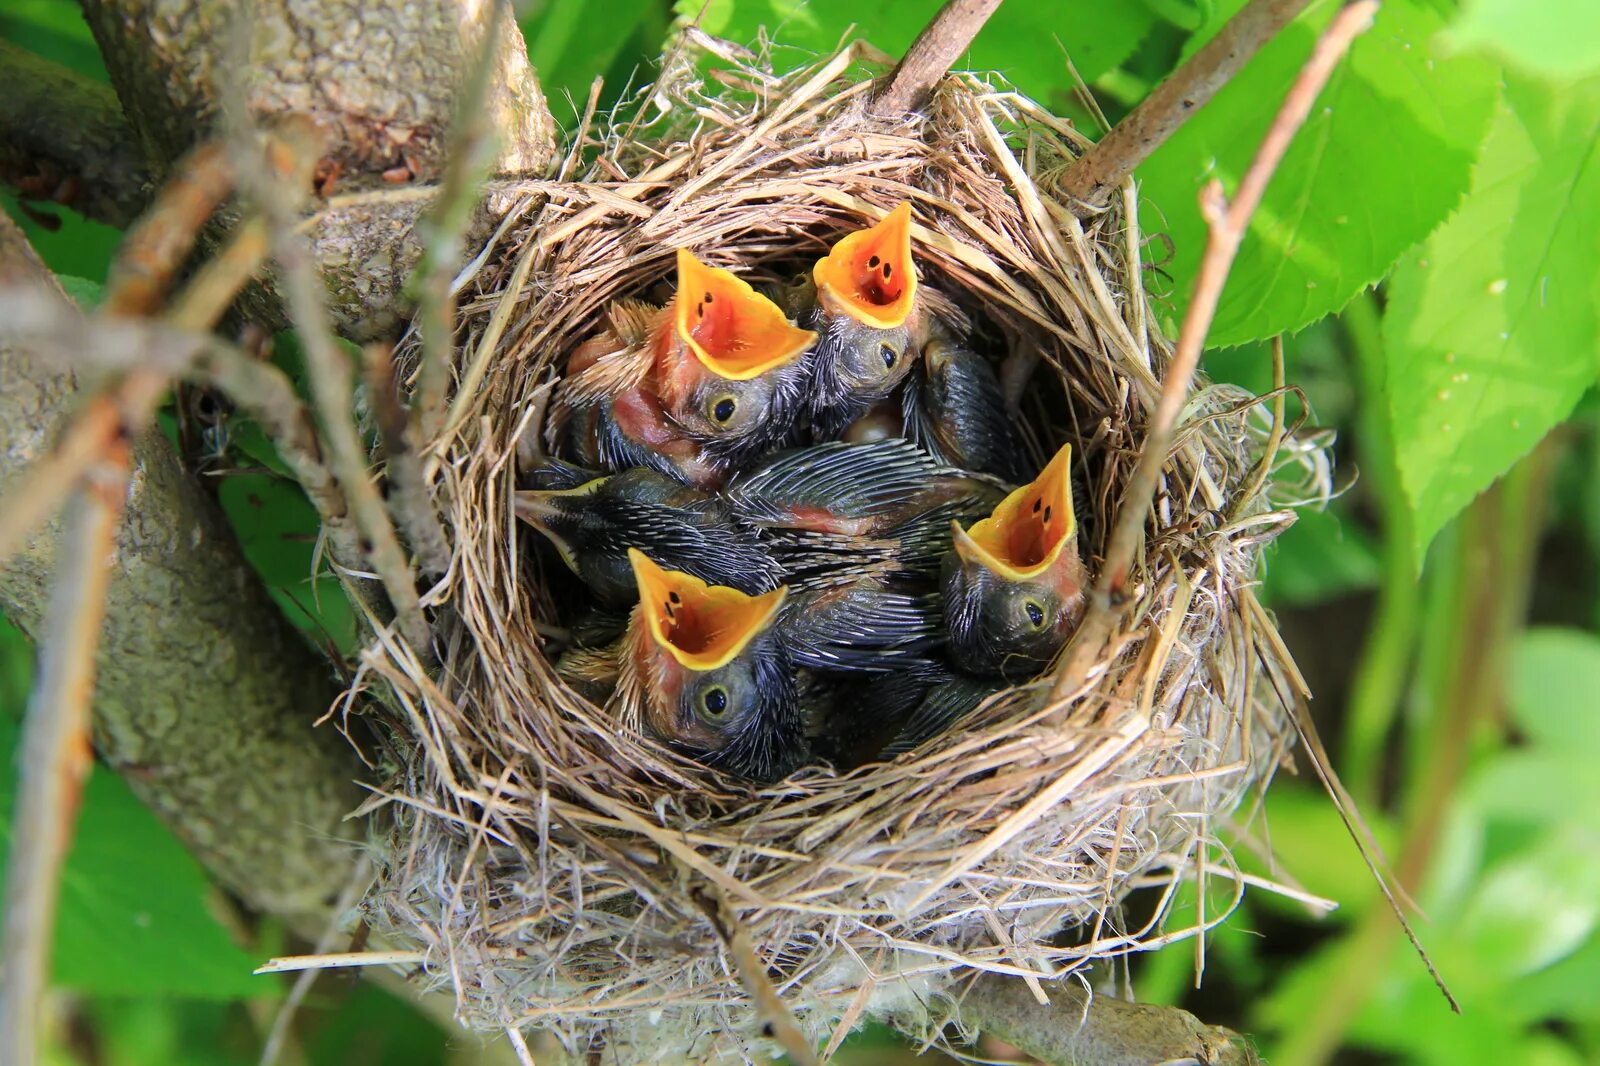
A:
x: 869, y: 274
x: 734, y: 331
x: 702, y: 626
x: 534, y: 507
x: 1025, y: 534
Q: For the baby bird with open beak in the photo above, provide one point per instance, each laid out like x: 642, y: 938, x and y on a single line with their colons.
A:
x: 694, y: 390
x: 868, y: 319
x: 1013, y: 584
x: 705, y: 669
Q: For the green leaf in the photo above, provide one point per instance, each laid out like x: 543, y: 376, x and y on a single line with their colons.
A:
x: 568, y: 45
x: 1491, y: 326
x: 1384, y: 157
x: 1554, y: 689
x: 1020, y: 40
x: 277, y: 528
x: 1553, y: 38
x: 1536, y: 907
x: 133, y: 915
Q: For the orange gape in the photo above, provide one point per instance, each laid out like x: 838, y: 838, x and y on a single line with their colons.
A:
x: 1024, y: 535
x: 868, y: 275
x: 702, y: 626
x: 732, y: 330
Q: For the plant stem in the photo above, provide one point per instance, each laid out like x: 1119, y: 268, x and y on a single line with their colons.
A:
x: 56, y: 755
x: 1093, y: 176
x: 1387, y: 656
x: 1226, y: 223
x: 1485, y: 577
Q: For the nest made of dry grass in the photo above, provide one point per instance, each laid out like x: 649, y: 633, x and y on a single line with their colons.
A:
x: 559, y: 874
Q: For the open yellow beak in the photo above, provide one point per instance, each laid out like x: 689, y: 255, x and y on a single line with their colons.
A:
x: 868, y: 274
x: 702, y: 626
x: 734, y: 331
x: 1024, y: 535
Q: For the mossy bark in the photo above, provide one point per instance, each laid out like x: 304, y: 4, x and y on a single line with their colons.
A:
x: 1077, y: 1028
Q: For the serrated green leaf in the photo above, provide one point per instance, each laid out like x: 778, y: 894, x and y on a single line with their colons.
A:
x: 1384, y: 157
x: 133, y: 915
x: 1553, y: 38
x: 1019, y: 40
x: 1491, y: 326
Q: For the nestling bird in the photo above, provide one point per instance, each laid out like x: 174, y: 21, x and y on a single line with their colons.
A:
x: 865, y: 309
x: 954, y: 408
x: 729, y: 370
x: 1013, y: 583
x: 693, y: 390
x: 842, y: 507
x: 594, y: 524
x: 707, y: 671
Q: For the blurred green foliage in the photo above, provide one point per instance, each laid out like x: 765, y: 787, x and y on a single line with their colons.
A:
x: 1451, y: 162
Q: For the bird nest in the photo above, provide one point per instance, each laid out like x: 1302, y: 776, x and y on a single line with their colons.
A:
x: 563, y: 874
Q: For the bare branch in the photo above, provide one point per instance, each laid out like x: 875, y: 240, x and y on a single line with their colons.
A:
x: 409, y: 498
x: 1228, y: 224
x: 937, y: 47
x: 441, y: 232
x: 1078, y: 1027
x: 1092, y: 177
x: 56, y: 756
x: 63, y: 139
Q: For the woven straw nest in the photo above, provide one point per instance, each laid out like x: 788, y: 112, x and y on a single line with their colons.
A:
x: 562, y: 875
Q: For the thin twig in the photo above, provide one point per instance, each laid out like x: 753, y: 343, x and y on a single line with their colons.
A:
x: 1227, y: 224
x: 777, y: 1021
x: 440, y: 232
x: 157, y: 245
x: 339, y: 960
x: 56, y: 753
x: 1094, y: 175
x: 278, y: 1036
x: 150, y: 255
x: 409, y: 499
x: 937, y: 47
x: 328, y: 372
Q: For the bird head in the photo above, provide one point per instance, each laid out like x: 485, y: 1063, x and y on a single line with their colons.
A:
x: 720, y: 364
x: 1013, y: 584
x: 718, y: 680
x: 866, y: 289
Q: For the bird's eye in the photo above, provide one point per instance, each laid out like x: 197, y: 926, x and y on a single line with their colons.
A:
x: 889, y: 355
x: 714, y: 704
x: 723, y: 408
x: 1035, y: 612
